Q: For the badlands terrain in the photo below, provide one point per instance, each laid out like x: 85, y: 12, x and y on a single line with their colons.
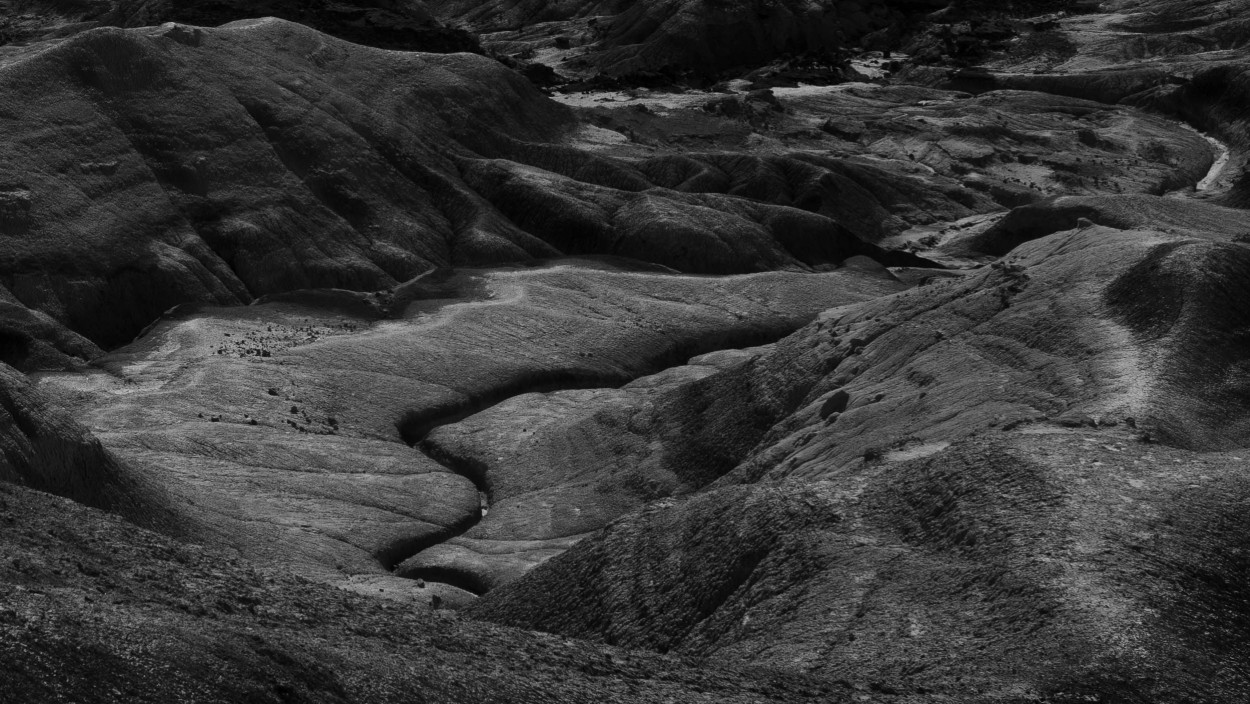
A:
x: 608, y: 351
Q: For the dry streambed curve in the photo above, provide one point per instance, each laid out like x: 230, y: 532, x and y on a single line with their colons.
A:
x: 464, y: 564
x: 272, y: 428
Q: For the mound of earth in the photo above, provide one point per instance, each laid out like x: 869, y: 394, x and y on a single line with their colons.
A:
x: 390, y: 24
x: 93, y: 609
x: 856, y: 527
x: 1194, y: 217
x: 1070, y: 564
x: 192, y: 175
x: 220, y: 165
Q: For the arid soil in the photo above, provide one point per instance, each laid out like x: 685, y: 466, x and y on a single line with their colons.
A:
x: 658, y: 351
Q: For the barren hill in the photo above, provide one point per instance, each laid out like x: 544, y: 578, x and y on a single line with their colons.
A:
x: 333, y: 371
x: 392, y: 24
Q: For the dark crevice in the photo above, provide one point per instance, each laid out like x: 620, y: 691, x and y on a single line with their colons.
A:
x: 467, y: 467
x: 15, y: 346
x: 897, y: 257
x: 452, y: 577
x: 416, y: 426
x: 396, y: 552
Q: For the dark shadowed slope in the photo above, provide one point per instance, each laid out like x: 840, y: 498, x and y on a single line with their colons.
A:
x: 683, y: 36
x: 41, y: 446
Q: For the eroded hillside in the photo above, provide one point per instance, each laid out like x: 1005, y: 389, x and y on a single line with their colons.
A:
x: 808, y: 372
